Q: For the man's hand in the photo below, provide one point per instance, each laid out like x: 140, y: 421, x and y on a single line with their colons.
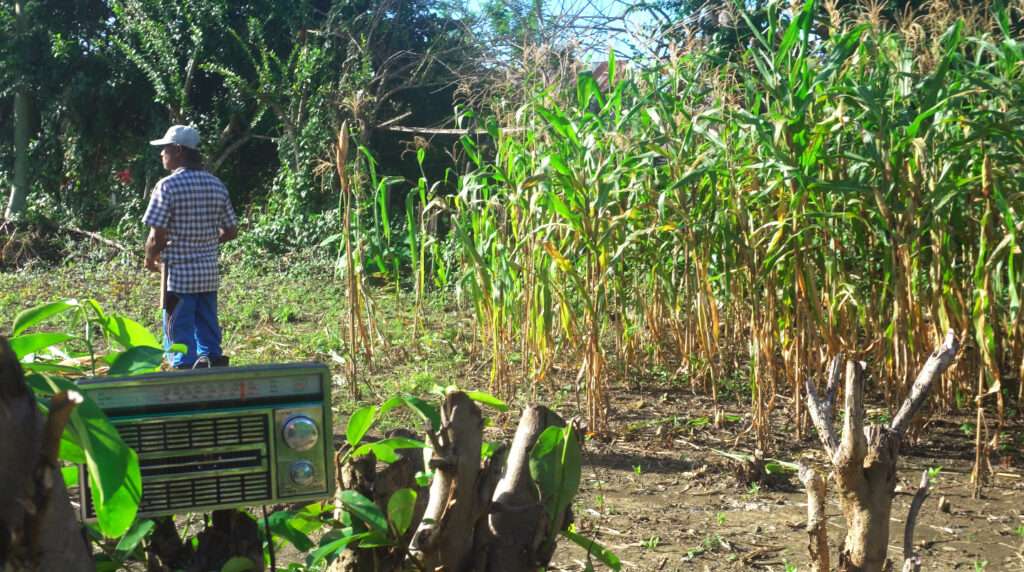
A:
x: 227, y: 234
x: 155, y: 244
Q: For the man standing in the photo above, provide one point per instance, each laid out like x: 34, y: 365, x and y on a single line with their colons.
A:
x: 189, y: 215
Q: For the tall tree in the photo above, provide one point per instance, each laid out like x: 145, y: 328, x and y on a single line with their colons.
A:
x: 19, y: 190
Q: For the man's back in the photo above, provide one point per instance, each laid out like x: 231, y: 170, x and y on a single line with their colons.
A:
x: 193, y: 205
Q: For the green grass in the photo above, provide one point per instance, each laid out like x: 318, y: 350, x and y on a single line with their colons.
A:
x: 286, y: 312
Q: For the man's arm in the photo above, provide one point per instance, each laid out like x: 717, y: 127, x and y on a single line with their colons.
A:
x: 155, y: 244
x: 227, y: 234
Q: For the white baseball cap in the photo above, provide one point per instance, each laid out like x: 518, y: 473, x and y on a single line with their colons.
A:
x: 179, y: 135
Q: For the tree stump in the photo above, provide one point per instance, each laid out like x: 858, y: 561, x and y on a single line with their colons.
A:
x: 38, y: 530
x: 479, y: 515
x: 864, y: 462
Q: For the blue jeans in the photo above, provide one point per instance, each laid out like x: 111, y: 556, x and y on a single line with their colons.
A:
x: 191, y: 319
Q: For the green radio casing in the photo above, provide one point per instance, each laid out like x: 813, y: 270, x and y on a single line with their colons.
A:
x: 210, y: 439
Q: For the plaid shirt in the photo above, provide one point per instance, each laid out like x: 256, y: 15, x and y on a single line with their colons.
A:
x: 192, y: 205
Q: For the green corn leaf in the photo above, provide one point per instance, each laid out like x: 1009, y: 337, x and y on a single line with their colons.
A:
x: 470, y: 147
x: 607, y: 557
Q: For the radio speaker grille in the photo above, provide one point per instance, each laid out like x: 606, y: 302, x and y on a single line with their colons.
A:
x: 194, y: 433
x: 184, y: 464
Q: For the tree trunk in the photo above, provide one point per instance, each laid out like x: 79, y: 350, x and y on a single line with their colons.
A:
x: 38, y: 530
x: 19, y: 191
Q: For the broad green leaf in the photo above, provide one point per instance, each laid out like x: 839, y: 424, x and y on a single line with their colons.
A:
x: 596, y: 549
x: 70, y: 449
x: 359, y: 423
x: 28, y: 318
x: 365, y: 510
x: 70, y: 476
x: 32, y: 343
x: 487, y: 399
x: 384, y: 449
x: 335, y: 544
x: 559, y: 123
x: 113, y: 467
x: 281, y: 524
x: 375, y: 539
x: 239, y: 564
x: 116, y: 511
x: 563, y: 209
x: 555, y: 465
x: 401, y: 507
x: 128, y: 332
x: 425, y: 410
x: 40, y: 367
x: 139, y: 359
x: 131, y: 540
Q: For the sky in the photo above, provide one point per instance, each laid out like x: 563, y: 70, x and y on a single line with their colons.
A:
x: 597, y: 25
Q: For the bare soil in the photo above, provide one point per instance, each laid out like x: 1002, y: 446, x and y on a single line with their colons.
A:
x: 662, y: 498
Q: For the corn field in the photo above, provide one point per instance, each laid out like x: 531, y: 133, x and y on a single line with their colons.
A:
x: 841, y: 185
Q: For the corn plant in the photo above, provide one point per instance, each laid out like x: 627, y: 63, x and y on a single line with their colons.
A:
x: 835, y: 186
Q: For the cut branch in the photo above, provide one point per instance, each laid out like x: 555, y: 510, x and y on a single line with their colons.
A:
x: 822, y: 419
x: 853, y: 447
x: 936, y: 365
x: 443, y: 538
x: 908, y: 532
x: 817, y: 530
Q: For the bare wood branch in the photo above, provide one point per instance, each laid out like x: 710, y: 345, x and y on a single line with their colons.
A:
x: 516, y: 512
x: 61, y: 406
x: 453, y: 501
x: 822, y: 420
x: 229, y: 150
x: 99, y: 238
x: 817, y: 529
x: 834, y: 377
x: 908, y: 532
x: 936, y: 365
x: 853, y: 447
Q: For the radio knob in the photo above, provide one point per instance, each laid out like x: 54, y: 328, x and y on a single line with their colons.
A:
x: 302, y: 473
x: 300, y: 433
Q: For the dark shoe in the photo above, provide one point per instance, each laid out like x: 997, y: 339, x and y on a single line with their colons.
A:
x: 220, y: 361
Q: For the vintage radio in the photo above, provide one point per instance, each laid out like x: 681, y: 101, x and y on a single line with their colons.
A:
x: 224, y: 437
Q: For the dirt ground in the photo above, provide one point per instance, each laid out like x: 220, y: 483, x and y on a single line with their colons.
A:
x: 662, y: 499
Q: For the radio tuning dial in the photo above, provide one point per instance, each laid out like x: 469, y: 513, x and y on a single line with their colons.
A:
x: 302, y: 473
x: 300, y: 433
